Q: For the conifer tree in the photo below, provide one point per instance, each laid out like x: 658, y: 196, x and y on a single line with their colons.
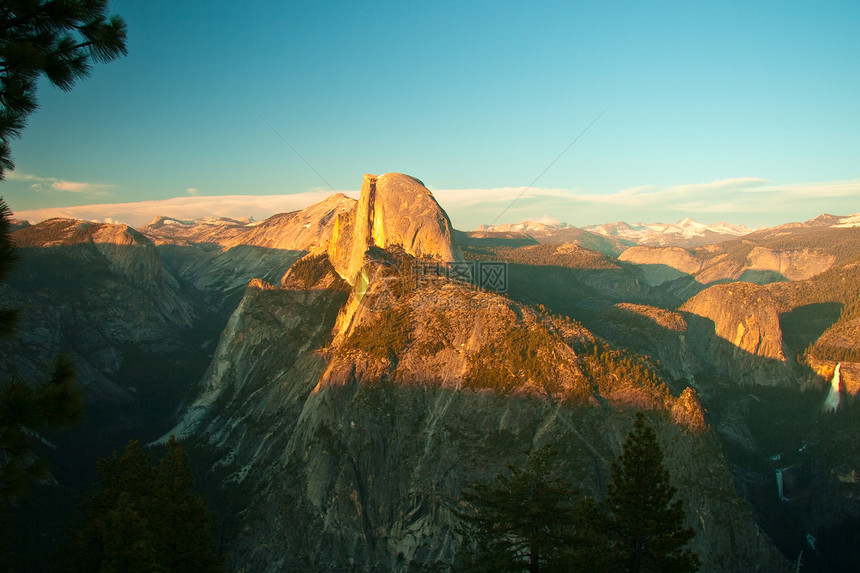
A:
x: 57, y: 39
x: 26, y: 410
x: 521, y: 522
x: 645, y: 526
x: 8, y: 257
x: 145, y: 518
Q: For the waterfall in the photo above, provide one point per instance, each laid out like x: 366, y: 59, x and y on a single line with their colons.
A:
x: 780, y: 485
x: 832, y: 400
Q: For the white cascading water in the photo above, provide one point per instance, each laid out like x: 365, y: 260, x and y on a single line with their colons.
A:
x: 780, y: 485
x: 832, y: 400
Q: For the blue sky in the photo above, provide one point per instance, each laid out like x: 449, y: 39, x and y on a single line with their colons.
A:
x: 737, y: 111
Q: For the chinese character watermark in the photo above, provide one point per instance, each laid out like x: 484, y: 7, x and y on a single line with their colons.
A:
x: 381, y: 291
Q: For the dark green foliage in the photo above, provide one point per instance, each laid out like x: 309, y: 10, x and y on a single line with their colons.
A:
x: 645, y: 525
x: 57, y: 39
x: 145, y: 518
x: 528, y: 520
x: 522, y: 522
x: 589, y: 549
x: 7, y: 247
x: 25, y: 410
x: 8, y: 257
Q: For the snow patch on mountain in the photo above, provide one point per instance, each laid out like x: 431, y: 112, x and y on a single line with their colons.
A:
x: 686, y: 232
x: 850, y: 221
x: 543, y: 225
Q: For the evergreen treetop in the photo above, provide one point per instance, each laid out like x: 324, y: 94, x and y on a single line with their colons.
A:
x: 145, y: 518
x: 57, y: 39
x: 646, y: 526
x: 521, y: 522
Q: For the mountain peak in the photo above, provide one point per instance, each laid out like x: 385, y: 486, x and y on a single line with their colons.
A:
x: 56, y: 232
x: 685, y: 233
x: 825, y: 220
x: 393, y: 210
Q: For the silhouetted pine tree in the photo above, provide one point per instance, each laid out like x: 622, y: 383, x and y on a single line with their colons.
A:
x: 8, y: 257
x: 522, y: 522
x: 25, y: 410
x: 646, y: 528
x: 55, y: 39
x: 145, y: 518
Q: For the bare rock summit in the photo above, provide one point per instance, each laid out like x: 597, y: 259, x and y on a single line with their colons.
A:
x: 738, y: 332
x: 393, y: 210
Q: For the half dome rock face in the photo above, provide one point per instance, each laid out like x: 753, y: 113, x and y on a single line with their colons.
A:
x: 393, y: 210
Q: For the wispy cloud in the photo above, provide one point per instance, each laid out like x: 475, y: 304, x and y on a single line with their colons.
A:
x: 679, y: 197
x: 38, y: 183
x: 79, y: 187
x: 193, y: 191
x: 188, y: 207
x: 747, y: 200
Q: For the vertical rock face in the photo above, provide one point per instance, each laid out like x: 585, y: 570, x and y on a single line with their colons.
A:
x: 735, y: 327
x: 745, y: 315
x: 393, y: 210
x: 661, y: 264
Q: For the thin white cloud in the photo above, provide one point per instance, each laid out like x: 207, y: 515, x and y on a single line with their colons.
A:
x: 52, y: 183
x: 188, y: 207
x: 547, y: 220
x: 18, y: 176
x: 193, y: 191
x: 749, y: 200
x: 83, y: 188
x: 463, y: 198
x: 650, y: 195
x: 849, y: 188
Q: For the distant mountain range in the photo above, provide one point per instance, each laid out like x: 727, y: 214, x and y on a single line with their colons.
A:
x: 685, y: 233
x: 183, y: 212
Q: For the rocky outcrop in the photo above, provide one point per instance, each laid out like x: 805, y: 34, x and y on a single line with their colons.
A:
x: 306, y: 230
x: 662, y: 264
x: 793, y: 265
x: 735, y: 328
x: 685, y: 272
x: 393, y: 210
x: 99, y: 293
x: 366, y: 439
x: 688, y: 411
x: 220, y: 256
x: 743, y: 314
